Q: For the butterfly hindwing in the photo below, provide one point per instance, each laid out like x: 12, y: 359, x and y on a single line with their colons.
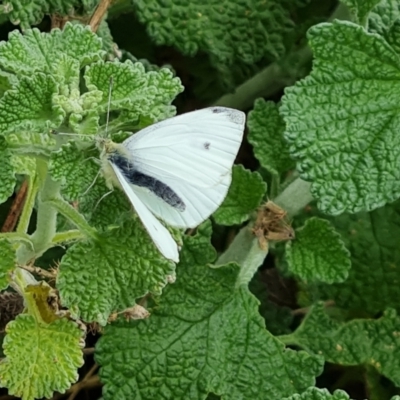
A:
x: 159, y: 234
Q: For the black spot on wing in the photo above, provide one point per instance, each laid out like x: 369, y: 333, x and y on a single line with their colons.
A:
x: 160, y: 189
x: 235, y: 116
x: 206, y: 145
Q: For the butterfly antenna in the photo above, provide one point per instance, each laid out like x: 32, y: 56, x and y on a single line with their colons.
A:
x: 109, y: 104
x: 102, y: 198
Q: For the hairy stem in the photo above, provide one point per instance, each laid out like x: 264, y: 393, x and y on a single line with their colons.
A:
x: 294, y: 197
x: 72, y: 215
x: 33, y: 187
x: 46, y: 217
x: 67, y: 236
x: 245, y: 249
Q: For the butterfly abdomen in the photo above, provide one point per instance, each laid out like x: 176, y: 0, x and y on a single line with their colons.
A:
x: 138, y: 178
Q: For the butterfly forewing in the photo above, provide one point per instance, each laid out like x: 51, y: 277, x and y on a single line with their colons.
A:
x: 197, y: 147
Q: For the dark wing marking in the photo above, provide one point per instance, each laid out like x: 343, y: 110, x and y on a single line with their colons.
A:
x: 137, y: 178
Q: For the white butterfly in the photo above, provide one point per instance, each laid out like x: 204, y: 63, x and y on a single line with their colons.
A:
x: 178, y: 169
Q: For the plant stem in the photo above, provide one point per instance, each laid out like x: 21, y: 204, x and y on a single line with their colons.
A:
x: 274, y: 187
x: 245, y: 251
x: 295, y: 197
x: 15, y: 209
x: 74, y: 216
x: 46, y: 217
x: 273, y: 78
x: 17, y: 237
x: 67, y: 236
x: 287, y: 339
x: 33, y: 187
x: 99, y: 14
x: 39, y: 271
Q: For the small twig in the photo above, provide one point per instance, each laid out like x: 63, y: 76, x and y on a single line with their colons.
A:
x: 16, y: 209
x: 38, y: 271
x: 191, y: 232
x: 75, y: 389
x: 88, y: 351
x: 58, y: 21
x: 91, y: 382
x: 305, y: 310
x: 98, y: 14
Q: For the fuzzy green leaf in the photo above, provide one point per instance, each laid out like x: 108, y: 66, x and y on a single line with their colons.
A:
x: 266, y: 129
x: 7, y: 174
x: 30, y: 143
x: 137, y: 94
x: 31, y: 12
x: 102, y: 207
x: 206, y: 330
x: 318, y: 253
x: 29, y: 106
x: 372, y: 239
x: 40, y: 358
x: 74, y: 169
x: 342, y: 120
x: 244, y: 196
x: 385, y: 20
x: 7, y: 262
x: 374, y: 342
x: 35, y: 51
x: 98, y: 278
x: 231, y: 32
x: 198, y: 249
x: 314, y: 393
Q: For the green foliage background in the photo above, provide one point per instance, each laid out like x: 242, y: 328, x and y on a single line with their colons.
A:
x: 90, y: 309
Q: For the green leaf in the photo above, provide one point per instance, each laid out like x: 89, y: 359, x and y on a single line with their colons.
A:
x: 40, y: 358
x: 198, y: 248
x: 372, y: 239
x: 244, y: 196
x: 342, y: 119
x: 98, y: 278
x: 74, y: 168
x: 314, y: 393
x: 266, y: 128
x: 361, y: 8
x: 7, y: 262
x: 29, y: 143
x: 206, y: 330
x: 374, y: 342
x: 26, y: 13
x: 230, y: 32
x: 35, y: 51
x: 318, y: 253
x: 103, y: 207
x: 135, y: 92
x: 7, y: 173
x: 385, y: 20
x: 384, y: 16
x: 29, y: 106
x: 23, y: 165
